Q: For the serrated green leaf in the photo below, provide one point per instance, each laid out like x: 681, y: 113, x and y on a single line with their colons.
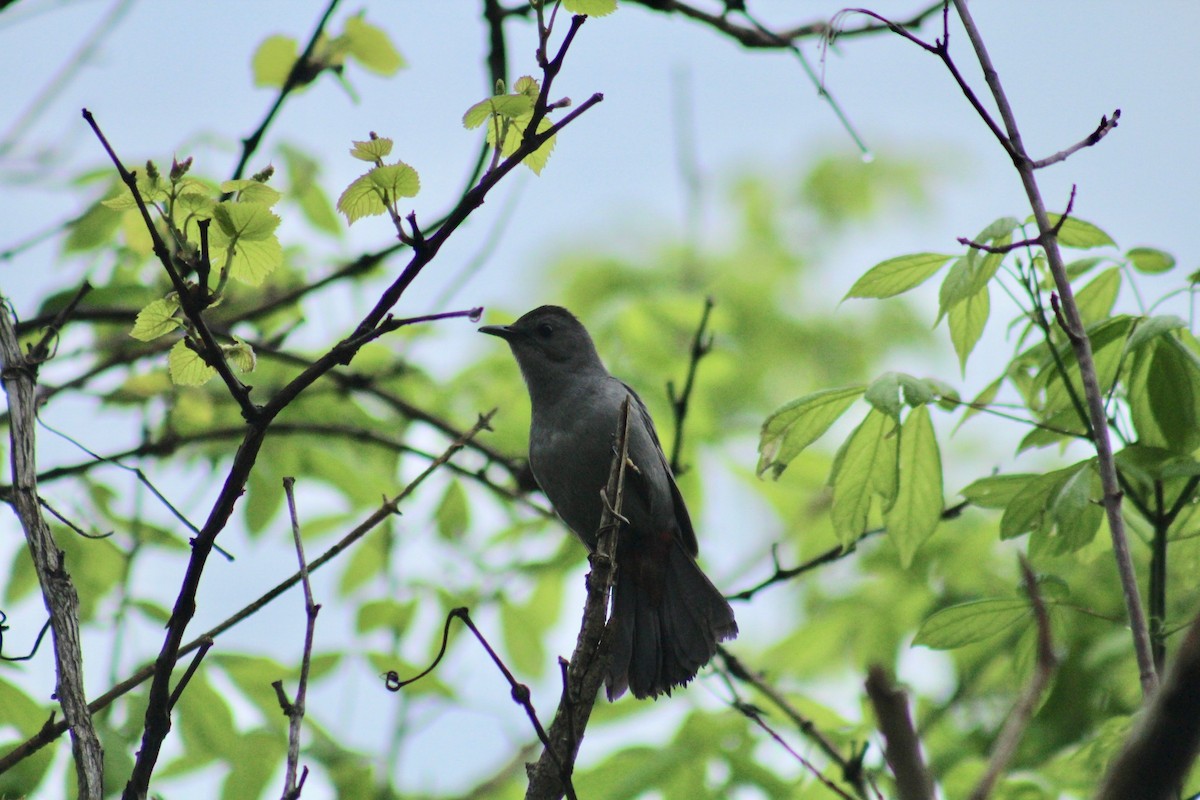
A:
x: 242, y: 221
x: 1077, y: 233
x: 273, y: 60
x: 528, y: 86
x: 967, y: 320
x: 898, y: 275
x: 535, y: 161
x: 1096, y: 300
x: 592, y: 8
x: 371, y: 47
x: 795, y: 425
x: 970, y: 622
x: 919, y: 501
x: 507, y: 106
x: 365, y: 196
x: 157, y: 319
x: 866, y: 468
x: 372, y: 150
x: 253, y: 261
x: 248, y: 191
x: 1150, y: 260
x: 187, y: 368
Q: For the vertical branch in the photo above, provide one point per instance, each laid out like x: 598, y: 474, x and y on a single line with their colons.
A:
x: 589, y: 663
x: 701, y: 346
x: 19, y: 377
x: 295, y: 709
x: 902, y: 748
x: 1074, y: 329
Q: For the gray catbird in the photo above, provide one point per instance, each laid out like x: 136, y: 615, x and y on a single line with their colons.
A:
x: 667, y: 615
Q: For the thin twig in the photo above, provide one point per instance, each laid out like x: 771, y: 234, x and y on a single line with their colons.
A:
x: 300, y: 74
x: 851, y: 767
x: 295, y: 709
x: 1014, y: 728
x: 701, y: 346
x: 1103, y: 129
x: 753, y: 714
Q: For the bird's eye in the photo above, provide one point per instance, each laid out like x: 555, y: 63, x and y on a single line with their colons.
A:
x: 545, y: 330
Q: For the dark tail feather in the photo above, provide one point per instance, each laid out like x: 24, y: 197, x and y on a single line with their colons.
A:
x: 665, y: 633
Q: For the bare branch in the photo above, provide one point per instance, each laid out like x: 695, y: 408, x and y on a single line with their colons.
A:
x: 1102, y: 130
x: 295, y: 709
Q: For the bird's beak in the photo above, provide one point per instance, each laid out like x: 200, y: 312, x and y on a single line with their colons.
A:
x: 503, y: 331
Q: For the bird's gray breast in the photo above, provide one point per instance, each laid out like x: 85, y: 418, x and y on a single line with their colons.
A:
x: 571, y: 446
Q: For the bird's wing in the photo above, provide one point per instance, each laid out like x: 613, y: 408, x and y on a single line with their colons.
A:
x: 686, y: 533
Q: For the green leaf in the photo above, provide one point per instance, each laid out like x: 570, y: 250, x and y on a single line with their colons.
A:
x: 373, y: 150
x: 897, y: 275
x: 273, y: 61
x: 1081, y: 265
x: 1076, y: 516
x: 238, y: 221
x: 796, y: 425
x: 371, y: 47
x: 866, y: 467
x: 515, y: 133
x: 306, y: 191
x: 919, y: 502
x: 1149, y: 260
x: 187, y: 368
x: 505, y: 106
x: 1164, y: 396
x: 248, y: 191
x: 1029, y: 507
x: 966, y: 321
x: 1096, y: 300
x: 1150, y: 327
x: 254, y: 260
x: 365, y: 196
x: 157, y: 319
x: 884, y: 394
x: 387, y: 614
x: 94, y: 228
x: 453, y: 513
x: 1077, y: 233
x: 240, y: 356
x: 592, y: 8
x: 996, y: 491
x: 970, y: 622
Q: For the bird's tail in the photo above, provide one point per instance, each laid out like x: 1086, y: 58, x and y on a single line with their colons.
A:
x: 667, y: 623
